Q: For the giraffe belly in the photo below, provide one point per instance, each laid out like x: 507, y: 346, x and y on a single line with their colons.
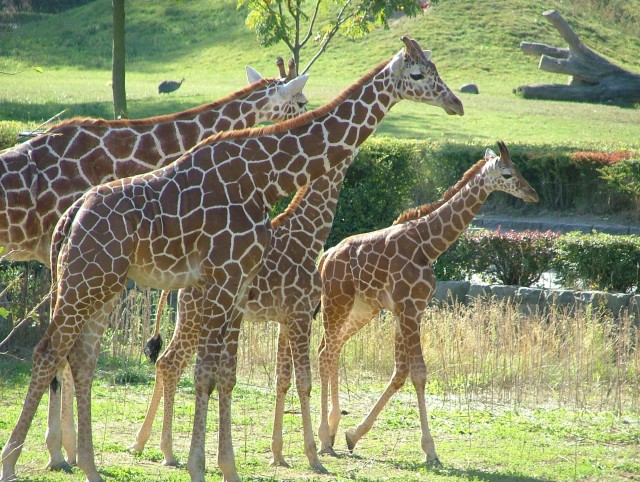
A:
x: 173, y: 279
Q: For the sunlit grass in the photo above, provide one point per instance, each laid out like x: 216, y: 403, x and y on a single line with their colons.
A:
x: 510, y: 397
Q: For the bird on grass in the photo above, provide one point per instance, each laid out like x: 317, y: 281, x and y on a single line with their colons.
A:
x: 167, y: 86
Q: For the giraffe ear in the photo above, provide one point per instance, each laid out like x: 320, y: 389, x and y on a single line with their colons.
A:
x: 397, y: 62
x: 294, y: 86
x: 427, y: 54
x: 252, y: 75
x: 489, y: 154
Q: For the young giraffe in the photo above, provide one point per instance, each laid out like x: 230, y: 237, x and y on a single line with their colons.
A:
x: 43, y: 176
x: 392, y: 269
x: 201, y: 221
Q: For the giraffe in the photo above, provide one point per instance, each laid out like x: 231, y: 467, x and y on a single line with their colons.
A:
x: 40, y: 178
x: 202, y: 222
x: 285, y: 290
x: 392, y: 269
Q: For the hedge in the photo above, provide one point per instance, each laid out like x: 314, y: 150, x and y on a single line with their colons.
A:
x: 582, y: 261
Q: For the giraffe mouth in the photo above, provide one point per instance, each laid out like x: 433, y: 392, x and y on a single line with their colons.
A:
x: 453, y: 106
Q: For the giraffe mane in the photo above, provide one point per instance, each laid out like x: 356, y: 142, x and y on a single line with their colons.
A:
x: 421, y: 211
x: 302, y: 119
x: 289, y: 211
x: 185, y: 114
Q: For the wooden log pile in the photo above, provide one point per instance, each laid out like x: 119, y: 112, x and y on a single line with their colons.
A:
x: 592, y: 78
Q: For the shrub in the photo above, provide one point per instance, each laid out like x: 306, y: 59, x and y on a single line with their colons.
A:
x: 376, y: 189
x: 598, y: 261
x: 510, y: 258
x: 9, y: 133
x: 623, y: 178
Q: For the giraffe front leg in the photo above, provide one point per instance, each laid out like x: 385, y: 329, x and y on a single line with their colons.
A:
x: 166, y: 437
x: 204, y: 381
x: 299, y: 336
x: 409, y: 322
x: 419, y: 378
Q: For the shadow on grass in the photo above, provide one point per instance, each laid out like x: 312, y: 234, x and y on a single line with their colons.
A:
x: 138, y: 109
x: 464, y: 474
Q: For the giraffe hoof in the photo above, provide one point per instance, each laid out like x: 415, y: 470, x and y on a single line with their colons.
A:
x: 318, y: 468
x: 350, y: 443
x: 61, y: 467
x: 328, y: 451
x: 170, y: 463
x: 135, y: 449
x: 279, y: 463
x: 434, y: 463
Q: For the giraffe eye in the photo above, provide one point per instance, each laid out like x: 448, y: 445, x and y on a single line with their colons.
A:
x: 301, y: 104
x: 507, y: 175
x: 416, y: 76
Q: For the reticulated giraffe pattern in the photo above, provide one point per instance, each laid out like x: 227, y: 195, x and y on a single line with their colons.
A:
x: 201, y: 222
x: 40, y: 178
x: 391, y: 269
x: 286, y: 289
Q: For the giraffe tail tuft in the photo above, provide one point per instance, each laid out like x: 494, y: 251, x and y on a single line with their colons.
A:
x: 152, y: 348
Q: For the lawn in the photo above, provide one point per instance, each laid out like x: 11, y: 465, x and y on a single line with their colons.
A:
x: 471, y: 42
x: 510, y: 398
x: 476, y: 441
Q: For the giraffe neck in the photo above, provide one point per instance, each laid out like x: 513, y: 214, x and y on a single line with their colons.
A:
x: 310, y: 220
x: 312, y: 144
x: 440, y: 229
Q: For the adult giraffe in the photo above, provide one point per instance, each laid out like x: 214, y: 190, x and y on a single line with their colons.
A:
x: 392, y: 269
x: 201, y: 221
x: 40, y: 178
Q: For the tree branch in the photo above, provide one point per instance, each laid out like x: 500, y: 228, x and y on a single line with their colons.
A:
x: 313, y: 21
x: 283, y: 28
x: 339, y: 22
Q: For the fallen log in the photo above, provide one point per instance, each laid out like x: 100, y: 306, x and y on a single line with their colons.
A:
x: 592, y: 78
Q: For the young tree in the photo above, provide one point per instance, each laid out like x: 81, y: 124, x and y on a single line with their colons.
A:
x: 118, y: 59
x: 296, y: 22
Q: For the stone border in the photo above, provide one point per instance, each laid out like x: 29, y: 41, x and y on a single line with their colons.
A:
x: 535, y: 300
x: 562, y: 226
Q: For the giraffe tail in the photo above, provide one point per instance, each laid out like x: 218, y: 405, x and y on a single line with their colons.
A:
x: 60, y: 236
x: 320, y: 266
x: 154, y: 344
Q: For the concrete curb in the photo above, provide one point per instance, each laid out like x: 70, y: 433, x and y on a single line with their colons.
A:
x: 561, y: 226
x: 535, y: 300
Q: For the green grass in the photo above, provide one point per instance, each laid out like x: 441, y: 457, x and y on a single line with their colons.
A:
x: 208, y: 44
x: 476, y: 441
x: 510, y: 398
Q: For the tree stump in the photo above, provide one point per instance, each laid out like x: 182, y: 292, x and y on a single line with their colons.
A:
x: 592, y: 78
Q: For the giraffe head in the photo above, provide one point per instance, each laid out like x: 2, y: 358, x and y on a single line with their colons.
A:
x: 501, y: 174
x: 416, y: 78
x: 284, y: 99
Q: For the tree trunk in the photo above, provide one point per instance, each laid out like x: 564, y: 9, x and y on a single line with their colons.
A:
x: 592, y: 77
x: 118, y: 65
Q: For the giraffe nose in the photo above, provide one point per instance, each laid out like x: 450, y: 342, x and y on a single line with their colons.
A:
x: 453, y: 105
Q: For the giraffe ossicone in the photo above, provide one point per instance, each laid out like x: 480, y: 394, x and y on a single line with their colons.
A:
x: 392, y: 269
x: 201, y: 222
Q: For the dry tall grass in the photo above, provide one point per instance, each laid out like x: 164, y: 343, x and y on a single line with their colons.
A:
x: 491, y: 352
x: 487, y: 352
